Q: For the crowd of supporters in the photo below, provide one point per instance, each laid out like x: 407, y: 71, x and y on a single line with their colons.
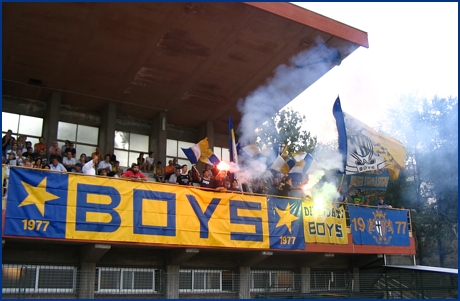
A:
x: 20, y: 152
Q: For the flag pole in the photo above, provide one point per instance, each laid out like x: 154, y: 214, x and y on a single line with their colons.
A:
x: 343, y: 175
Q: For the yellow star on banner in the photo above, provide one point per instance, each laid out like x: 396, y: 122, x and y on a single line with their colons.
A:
x: 286, y: 217
x: 37, y: 196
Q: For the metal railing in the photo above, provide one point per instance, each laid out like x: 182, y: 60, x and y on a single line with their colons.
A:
x: 70, y: 282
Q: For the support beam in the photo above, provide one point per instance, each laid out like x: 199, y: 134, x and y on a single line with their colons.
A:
x: 251, y: 259
x: 86, y: 280
x: 172, y: 282
x: 107, y: 128
x: 89, y: 256
x: 51, y: 120
x: 305, y: 280
x: 207, y: 130
x: 93, y: 252
x: 356, y: 280
x: 158, y: 137
x: 177, y: 257
x: 245, y: 281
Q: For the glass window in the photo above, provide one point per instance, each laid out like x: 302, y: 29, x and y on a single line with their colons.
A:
x: 121, y: 140
x: 222, y: 153
x: 139, y: 142
x: 199, y: 280
x: 181, y: 145
x: 87, y: 134
x: 127, y: 280
x: 185, y: 280
x: 122, y: 157
x: 124, y: 279
x: 67, y: 131
x: 22, y: 125
x: 84, y: 149
x: 40, y: 279
x: 171, y: 148
x: 213, y: 280
x: 84, y: 137
x: 30, y: 125
x: 10, y: 122
x: 143, y: 280
x: 259, y: 280
x: 276, y: 280
x: 128, y: 146
x: 55, y: 278
x: 110, y: 279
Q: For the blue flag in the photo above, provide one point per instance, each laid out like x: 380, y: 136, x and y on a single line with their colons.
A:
x: 36, y: 204
x: 285, y: 222
x: 379, y: 226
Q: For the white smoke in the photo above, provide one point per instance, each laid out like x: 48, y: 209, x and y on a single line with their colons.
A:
x: 288, y: 82
x: 263, y: 103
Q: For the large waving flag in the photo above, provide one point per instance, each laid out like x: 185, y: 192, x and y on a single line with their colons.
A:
x: 201, y: 151
x: 299, y: 166
x: 280, y: 165
x: 364, y: 149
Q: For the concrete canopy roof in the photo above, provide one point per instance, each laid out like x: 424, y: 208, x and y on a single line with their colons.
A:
x: 192, y: 60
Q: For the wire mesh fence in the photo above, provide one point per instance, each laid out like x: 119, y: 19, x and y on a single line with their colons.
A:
x: 70, y: 282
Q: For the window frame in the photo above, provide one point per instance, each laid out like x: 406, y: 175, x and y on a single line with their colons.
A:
x: 201, y: 290
x: 36, y: 289
x: 270, y: 275
x: 131, y: 152
x: 98, y: 289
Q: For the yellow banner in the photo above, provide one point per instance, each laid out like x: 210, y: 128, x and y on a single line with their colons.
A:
x: 127, y: 211
x: 324, y: 223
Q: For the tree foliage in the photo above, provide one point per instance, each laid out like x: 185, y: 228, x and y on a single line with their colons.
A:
x: 429, y: 185
x: 285, y: 128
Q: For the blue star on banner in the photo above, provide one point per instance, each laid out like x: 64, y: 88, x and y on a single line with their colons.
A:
x: 36, y: 204
x: 285, y: 223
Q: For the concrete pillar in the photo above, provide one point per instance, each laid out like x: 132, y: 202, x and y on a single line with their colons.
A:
x: 245, y: 283
x: 356, y: 280
x: 51, y: 121
x: 305, y: 280
x: 172, y: 282
x: 106, y: 139
x: 158, y: 137
x: 86, y: 280
x: 207, y: 130
x: 89, y: 256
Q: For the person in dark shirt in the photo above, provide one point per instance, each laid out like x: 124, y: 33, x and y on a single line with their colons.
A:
x: 184, y: 177
x: 234, y: 186
x: 286, y: 186
x: 205, y: 180
x: 381, y: 203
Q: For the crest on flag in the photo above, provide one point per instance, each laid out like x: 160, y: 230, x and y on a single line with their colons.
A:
x: 381, y: 228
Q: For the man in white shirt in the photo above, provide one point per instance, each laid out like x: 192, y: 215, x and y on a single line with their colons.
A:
x: 69, y: 162
x: 90, y: 167
x: 104, y: 165
x: 56, y: 165
x: 174, y: 176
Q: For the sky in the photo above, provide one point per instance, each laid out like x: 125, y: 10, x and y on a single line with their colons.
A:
x: 413, y: 50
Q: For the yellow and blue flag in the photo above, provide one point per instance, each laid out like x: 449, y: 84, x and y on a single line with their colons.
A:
x: 36, y: 204
x: 299, y: 166
x: 201, y: 152
x: 285, y: 223
x: 364, y: 149
x: 379, y: 226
